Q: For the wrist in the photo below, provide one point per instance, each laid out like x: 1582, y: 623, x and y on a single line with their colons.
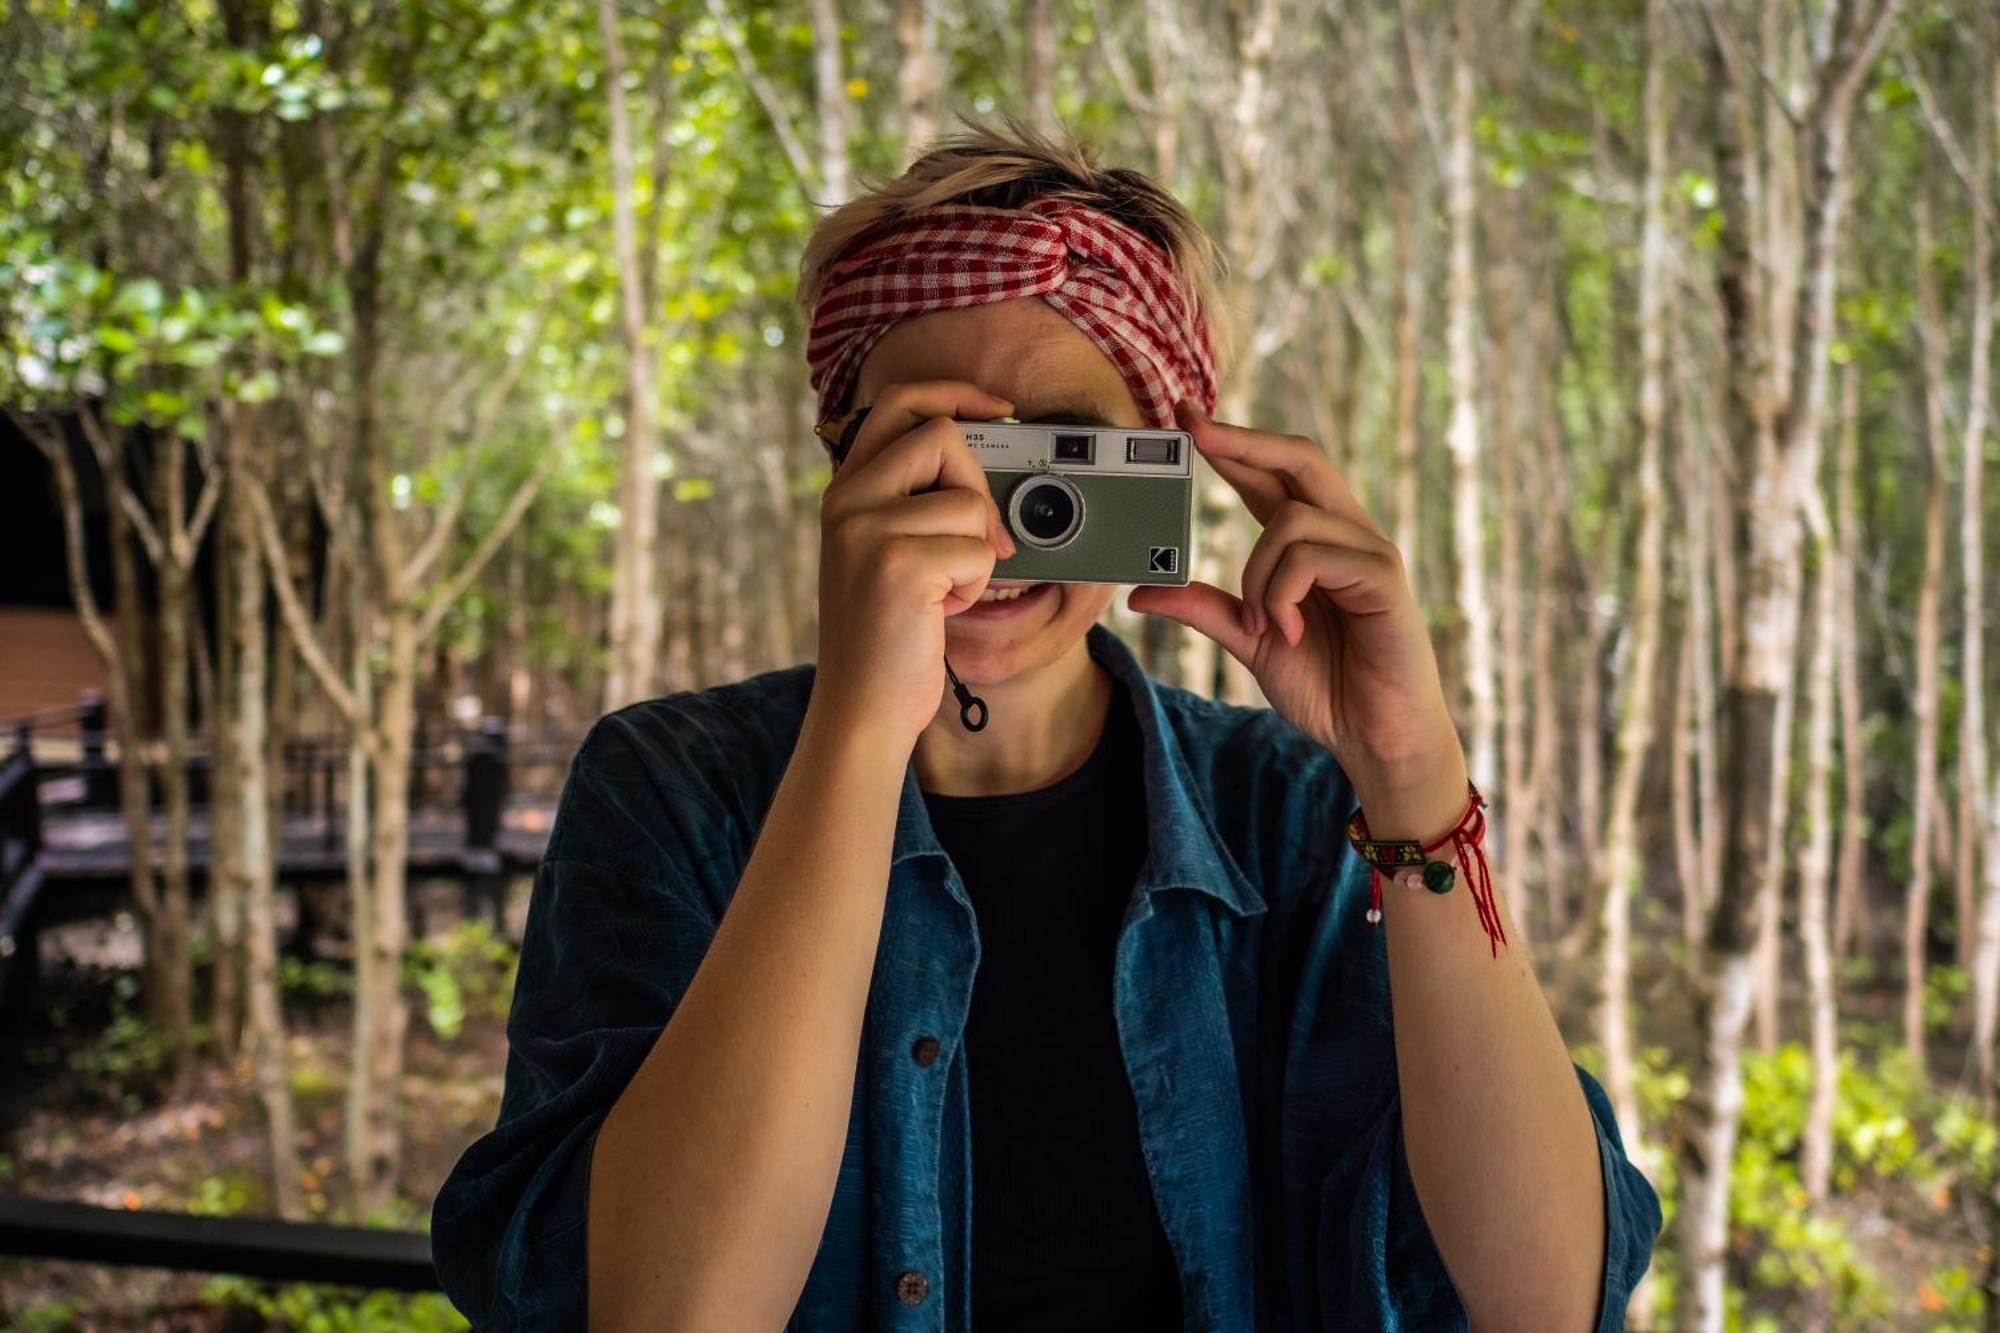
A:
x: 853, y: 736
x: 1418, y: 801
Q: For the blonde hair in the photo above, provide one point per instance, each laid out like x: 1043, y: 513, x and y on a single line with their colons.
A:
x: 1005, y: 168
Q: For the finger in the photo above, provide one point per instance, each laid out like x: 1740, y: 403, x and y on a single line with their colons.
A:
x: 934, y: 455
x: 900, y: 408
x: 1360, y: 582
x: 951, y: 512
x: 1294, y: 521
x: 966, y: 563
x: 1262, y: 493
x: 948, y: 571
x: 1305, y: 470
x: 1202, y: 607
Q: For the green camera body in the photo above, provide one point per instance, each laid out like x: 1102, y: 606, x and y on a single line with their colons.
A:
x: 1090, y: 504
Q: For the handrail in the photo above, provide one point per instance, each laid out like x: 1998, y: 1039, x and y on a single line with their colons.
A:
x: 257, y: 1247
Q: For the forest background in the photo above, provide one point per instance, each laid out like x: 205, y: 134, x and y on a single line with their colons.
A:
x: 393, y: 365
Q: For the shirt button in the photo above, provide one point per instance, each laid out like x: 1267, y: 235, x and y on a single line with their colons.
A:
x: 912, y: 1287
x: 925, y: 1052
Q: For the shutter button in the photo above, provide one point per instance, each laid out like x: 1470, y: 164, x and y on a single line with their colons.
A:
x: 925, y: 1052
x: 912, y: 1287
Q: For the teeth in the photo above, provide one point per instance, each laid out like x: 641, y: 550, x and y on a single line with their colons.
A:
x: 1006, y: 594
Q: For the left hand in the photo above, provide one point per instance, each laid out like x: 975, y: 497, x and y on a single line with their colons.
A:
x: 1327, y: 622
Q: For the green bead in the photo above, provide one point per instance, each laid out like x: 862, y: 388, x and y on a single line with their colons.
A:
x: 1438, y: 876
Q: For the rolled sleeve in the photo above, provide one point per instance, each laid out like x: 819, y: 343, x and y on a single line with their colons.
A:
x: 621, y: 913
x: 1632, y: 1216
x: 1385, y: 1272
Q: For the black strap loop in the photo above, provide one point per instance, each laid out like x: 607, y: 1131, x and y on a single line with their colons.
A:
x: 971, y: 708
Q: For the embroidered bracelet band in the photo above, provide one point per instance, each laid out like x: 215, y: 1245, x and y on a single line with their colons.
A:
x: 1409, y: 863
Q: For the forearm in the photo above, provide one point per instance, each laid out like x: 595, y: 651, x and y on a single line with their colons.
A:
x: 1499, y: 1137
x: 714, y: 1172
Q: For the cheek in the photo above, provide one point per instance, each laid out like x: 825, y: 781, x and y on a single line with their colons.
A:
x: 1086, y: 601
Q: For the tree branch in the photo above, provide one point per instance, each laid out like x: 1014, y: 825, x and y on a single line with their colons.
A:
x: 55, y: 449
x: 292, y: 608
x: 503, y: 527
x: 767, y: 96
x: 115, y: 488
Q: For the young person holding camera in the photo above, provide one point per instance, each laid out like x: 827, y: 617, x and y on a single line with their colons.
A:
x: 834, y: 1013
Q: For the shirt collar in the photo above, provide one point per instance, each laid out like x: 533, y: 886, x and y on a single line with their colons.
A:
x: 1183, y: 849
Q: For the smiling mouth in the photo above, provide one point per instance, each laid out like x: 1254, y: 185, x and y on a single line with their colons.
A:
x: 1006, y: 592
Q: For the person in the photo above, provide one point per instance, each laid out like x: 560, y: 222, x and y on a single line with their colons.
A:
x: 834, y: 1013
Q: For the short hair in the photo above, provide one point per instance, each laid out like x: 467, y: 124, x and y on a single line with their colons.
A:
x: 1005, y: 167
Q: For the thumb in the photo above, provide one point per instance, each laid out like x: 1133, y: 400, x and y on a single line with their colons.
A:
x: 1202, y: 607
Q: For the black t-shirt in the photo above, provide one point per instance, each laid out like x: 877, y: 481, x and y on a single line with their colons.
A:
x: 1065, y: 1234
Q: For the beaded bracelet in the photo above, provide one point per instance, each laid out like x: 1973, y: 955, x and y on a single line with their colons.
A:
x: 1467, y: 835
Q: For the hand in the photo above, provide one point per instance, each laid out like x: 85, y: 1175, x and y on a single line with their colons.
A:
x: 1327, y: 622
x: 909, y: 534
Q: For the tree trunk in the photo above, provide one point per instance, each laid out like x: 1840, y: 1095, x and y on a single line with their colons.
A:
x: 1469, y: 483
x: 635, y: 601
x: 128, y: 724
x: 1774, y: 468
x: 916, y: 35
x: 1815, y: 867
x: 175, y: 973
x: 1621, y: 862
x: 1979, y: 951
x: 1926, y: 636
x: 1851, y: 920
x: 225, y: 840
x: 265, y: 1025
x: 379, y: 1134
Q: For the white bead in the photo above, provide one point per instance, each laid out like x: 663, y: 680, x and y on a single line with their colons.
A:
x: 1374, y: 915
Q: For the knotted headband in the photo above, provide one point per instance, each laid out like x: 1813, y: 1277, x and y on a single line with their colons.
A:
x: 1113, y: 283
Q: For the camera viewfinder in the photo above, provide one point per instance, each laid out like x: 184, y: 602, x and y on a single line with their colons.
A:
x: 1074, y: 448
x: 1142, y: 449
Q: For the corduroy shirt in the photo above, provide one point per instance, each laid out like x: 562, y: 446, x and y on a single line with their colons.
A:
x: 1252, y: 1004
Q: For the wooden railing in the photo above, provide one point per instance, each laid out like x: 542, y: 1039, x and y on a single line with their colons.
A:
x: 268, y: 1248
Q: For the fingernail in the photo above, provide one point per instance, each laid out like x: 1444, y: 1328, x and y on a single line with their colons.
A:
x: 1249, y: 618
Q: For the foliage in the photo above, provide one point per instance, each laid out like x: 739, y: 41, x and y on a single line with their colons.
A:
x: 44, y: 1317
x: 228, y: 1194
x: 315, y: 977
x: 313, y: 1308
x: 1892, y: 1135
x: 123, y: 1063
x: 468, y: 970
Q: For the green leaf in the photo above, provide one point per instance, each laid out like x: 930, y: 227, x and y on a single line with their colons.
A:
x: 325, y: 342
x: 141, y: 296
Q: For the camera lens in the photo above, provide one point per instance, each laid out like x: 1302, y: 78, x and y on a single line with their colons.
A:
x: 1046, y: 512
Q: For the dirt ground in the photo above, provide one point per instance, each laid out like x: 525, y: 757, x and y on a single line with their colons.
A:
x: 62, y: 1137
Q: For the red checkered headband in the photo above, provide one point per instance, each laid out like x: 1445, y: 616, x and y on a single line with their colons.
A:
x: 1103, y: 276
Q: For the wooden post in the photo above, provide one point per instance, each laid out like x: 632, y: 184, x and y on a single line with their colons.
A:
x: 100, y: 781
x: 20, y: 881
x: 485, y: 800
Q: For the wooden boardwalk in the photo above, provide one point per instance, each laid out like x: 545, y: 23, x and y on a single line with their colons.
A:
x: 85, y: 854
x: 66, y: 855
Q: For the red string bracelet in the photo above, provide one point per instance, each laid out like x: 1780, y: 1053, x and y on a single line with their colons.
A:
x: 1468, y: 835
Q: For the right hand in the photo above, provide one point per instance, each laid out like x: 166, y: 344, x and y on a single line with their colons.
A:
x: 897, y: 557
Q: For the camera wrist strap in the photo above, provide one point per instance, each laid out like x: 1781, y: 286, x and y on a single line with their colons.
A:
x: 971, y: 708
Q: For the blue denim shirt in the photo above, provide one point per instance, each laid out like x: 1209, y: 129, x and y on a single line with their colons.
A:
x: 1252, y: 1001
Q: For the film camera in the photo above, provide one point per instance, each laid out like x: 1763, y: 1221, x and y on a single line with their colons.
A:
x: 1090, y: 504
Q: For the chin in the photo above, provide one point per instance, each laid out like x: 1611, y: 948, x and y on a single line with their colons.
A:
x: 989, y: 652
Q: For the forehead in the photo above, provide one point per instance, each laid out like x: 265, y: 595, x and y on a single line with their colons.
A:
x: 1020, y: 349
